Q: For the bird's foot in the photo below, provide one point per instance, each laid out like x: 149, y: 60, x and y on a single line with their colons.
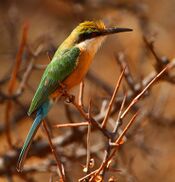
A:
x: 64, y: 92
x: 63, y: 89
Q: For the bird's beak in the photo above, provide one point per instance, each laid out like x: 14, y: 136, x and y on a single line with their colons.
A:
x: 113, y: 30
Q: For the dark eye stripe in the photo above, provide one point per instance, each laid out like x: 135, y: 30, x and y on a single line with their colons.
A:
x: 87, y: 35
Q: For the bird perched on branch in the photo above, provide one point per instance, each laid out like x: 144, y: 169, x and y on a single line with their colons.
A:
x: 68, y: 67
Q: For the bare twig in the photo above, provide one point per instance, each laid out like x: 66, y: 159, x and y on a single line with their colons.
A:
x: 12, y: 82
x: 85, y: 115
x: 112, y: 99
x: 71, y: 125
x: 160, y: 62
x: 86, y: 169
x: 81, y: 93
x: 25, y: 78
x: 144, y: 90
x: 120, y: 58
x: 117, y: 144
x: 119, y: 121
x: 60, y: 166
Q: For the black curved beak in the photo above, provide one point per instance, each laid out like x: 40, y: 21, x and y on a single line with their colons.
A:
x: 113, y: 30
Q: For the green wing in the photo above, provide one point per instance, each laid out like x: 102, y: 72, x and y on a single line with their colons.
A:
x: 59, y: 69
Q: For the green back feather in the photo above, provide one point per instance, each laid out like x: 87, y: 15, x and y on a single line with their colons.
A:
x: 58, y: 70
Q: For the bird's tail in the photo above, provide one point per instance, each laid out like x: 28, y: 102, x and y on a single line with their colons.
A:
x: 41, y: 113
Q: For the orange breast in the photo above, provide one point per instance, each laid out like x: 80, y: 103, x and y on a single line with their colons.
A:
x: 84, y: 62
x: 79, y: 73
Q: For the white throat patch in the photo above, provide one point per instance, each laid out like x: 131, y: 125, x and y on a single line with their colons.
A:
x: 91, y: 45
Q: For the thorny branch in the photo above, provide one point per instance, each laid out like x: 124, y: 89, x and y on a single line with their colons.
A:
x: 59, y: 165
x: 87, y: 118
x: 90, y: 118
x: 112, y: 99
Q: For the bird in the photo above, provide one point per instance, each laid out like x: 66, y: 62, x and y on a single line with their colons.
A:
x: 68, y: 67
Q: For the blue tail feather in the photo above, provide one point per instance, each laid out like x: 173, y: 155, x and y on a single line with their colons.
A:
x: 40, y: 115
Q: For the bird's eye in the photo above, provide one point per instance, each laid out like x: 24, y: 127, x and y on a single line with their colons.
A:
x: 93, y: 34
x: 83, y: 36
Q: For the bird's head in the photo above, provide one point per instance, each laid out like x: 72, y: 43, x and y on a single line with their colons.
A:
x: 90, y: 35
x: 91, y: 29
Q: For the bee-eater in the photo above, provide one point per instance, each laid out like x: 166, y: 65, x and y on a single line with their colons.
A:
x: 68, y: 67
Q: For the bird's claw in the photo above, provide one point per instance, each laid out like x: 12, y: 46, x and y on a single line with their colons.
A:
x: 63, y: 89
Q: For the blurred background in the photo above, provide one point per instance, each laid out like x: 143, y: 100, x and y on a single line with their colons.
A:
x: 148, y: 154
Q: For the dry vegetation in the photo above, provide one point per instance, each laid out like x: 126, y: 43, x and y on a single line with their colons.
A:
x: 119, y: 124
